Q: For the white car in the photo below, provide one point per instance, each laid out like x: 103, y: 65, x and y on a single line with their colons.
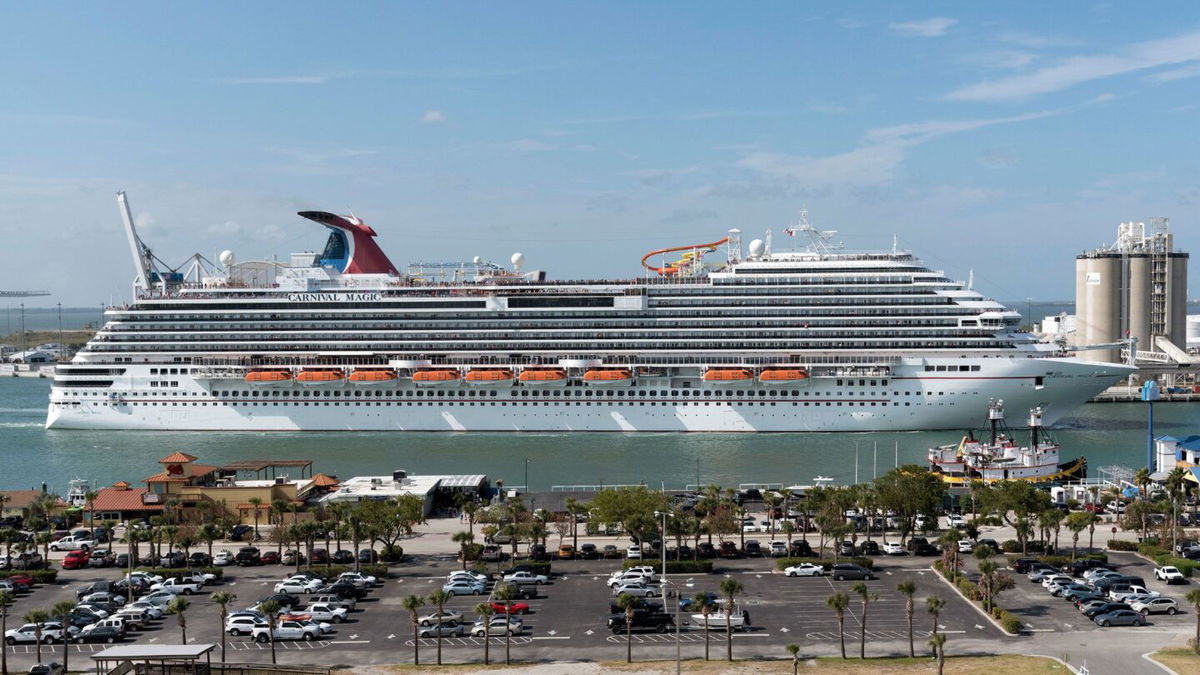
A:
x: 525, y: 577
x: 178, y: 586
x: 629, y: 577
x: 359, y: 579
x: 295, y: 586
x: 287, y: 630
x: 71, y: 543
x: 893, y: 548
x: 637, y: 589
x: 160, y: 598
x: 28, y: 633
x: 499, y: 626
x: 805, y: 570
x: 333, y: 601
x: 1155, y: 606
x: 965, y: 546
x: 779, y: 549
x: 1055, y: 579
x: 463, y: 587
x: 1097, y: 573
x: 447, y: 616
x: 479, y: 577
x: 1134, y: 591
x: 1169, y: 574
x: 645, y: 570
x: 634, y: 552
x: 145, y: 577
x: 244, y: 624
x: 223, y: 558
x: 152, y: 609
x: 956, y: 520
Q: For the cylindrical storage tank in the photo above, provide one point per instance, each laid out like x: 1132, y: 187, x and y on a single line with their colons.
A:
x: 1177, y: 300
x: 1193, y: 332
x: 1141, y: 302
x: 1097, y: 305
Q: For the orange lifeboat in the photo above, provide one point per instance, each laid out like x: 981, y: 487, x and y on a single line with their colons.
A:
x: 321, y: 377
x: 370, y: 376
x: 544, y: 377
x: 269, y: 378
x: 436, y: 377
x: 783, y: 376
x: 490, y: 377
x: 720, y: 376
x: 609, y: 377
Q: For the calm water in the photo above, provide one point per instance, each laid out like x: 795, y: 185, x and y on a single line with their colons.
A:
x: 1106, y: 433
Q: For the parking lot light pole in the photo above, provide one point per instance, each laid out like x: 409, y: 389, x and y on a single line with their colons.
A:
x: 663, y: 546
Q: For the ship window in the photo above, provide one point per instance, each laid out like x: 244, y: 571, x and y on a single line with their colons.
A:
x: 674, y: 392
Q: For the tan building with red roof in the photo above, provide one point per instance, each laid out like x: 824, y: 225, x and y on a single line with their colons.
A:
x: 123, y: 502
x: 19, y: 503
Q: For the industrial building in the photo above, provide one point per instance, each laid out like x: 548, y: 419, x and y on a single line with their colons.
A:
x: 1134, y: 288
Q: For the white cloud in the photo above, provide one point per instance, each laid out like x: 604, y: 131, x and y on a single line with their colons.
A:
x: 1000, y: 158
x: 868, y: 165
x: 1077, y: 70
x: 934, y: 27
x: 227, y: 227
x: 529, y: 145
x: 1183, y: 73
x: 433, y: 117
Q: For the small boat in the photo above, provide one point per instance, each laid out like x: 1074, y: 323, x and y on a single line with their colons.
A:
x: 725, y: 376
x: 436, y: 377
x: 783, y: 376
x: 321, y: 377
x: 269, y: 378
x: 365, y: 377
x: 490, y: 377
x: 1002, y: 458
x: 544, y: 377
x: 716, y: 620
x: 608, y: 377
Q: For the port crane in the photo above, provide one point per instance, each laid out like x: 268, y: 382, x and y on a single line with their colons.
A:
x: 23, y: 294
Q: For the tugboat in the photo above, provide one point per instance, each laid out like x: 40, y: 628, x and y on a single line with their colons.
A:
x: 77, y: 491
x: 1002, y: 458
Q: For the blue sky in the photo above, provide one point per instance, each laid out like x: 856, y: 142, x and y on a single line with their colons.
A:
x: 999, y: 137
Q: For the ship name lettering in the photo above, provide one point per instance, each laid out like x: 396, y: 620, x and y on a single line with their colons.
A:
x: 333, y: 297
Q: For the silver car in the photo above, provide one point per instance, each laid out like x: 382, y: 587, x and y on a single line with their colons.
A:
x: 443, y: 629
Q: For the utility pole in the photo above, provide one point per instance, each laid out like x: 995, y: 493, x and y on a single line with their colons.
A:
x: 60, y: 341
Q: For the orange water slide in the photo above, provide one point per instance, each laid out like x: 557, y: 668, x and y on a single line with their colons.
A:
x: 672, y: 269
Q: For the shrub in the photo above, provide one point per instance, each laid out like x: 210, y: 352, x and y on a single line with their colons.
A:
x: 1152, y: 550
x: 1122, y: 545
x: 1010, y: 546
x: 781, y: 563
x: 391, y: 553
x: 1010, y: 622
x: 38, y: 576
x: 968, y: 589
x: 675, y: 566
x: 473, y: 552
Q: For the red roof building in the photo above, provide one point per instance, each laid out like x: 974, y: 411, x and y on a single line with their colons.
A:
x: 123, y: 502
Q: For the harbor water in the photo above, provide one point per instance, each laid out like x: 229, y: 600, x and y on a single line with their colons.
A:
x: 1107, y: 433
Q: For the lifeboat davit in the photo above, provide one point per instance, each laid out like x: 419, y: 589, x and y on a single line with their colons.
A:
x: 321, y: 377
x: 783, y: 376
x: 609, y: 377
x: 490, y: 377
x: 372, y: 376
x: 544, y: 377
x: 269, y: 378
x: 436, y: 377
x: 723, y: 376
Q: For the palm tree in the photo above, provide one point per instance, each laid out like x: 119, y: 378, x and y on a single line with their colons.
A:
x: 729, y: 588
x: 223, y: 598
x: 628, y: 603
x: 485, y: 612
x: 62, y: 612
x: 705, y: 604
x: 908, y: 589
x: 271, y: 609
x: 439, y: 598
x: 463, y: 539
x: 1141, y: 478
x: 867, y: 597
x: 178, y: 607
x: 934, y: 605
x: 987, y: 572
x: 208, y: 533
x: 38, y: 617
x: 505, y: 594
x: 794, y: 650
x: 6, y: 599
x: 938, y: 642
x: 413, y: 604
x: 257, y: 503
x: 90, y: 497
x: 1193, y: 597
x: 838, y: 602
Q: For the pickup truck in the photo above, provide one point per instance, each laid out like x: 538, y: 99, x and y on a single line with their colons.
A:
x: 323, y: 612
x: 178, y: 586
x: 71, y: 543
x: 642, y: 620
x: 286, y: 630
x: 197, y: 577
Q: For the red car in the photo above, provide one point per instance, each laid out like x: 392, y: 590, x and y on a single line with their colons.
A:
x: 22, y: 580
x: 515, y: 608
x: 270, y: 558
x: 75, y: 560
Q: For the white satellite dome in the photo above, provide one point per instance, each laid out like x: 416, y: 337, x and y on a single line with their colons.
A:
x: 227, y: 258
x: 518, y: 259
x: 477, y: 260
x: 756, y: 248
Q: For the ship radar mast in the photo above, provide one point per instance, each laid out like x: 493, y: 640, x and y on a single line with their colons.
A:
x: 819, y: 241
x: 143, y: 260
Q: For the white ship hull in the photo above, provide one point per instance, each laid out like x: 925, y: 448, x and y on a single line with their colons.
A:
x: 910, y: 399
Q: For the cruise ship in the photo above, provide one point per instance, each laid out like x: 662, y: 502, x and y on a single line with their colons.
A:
x: 712, y: 338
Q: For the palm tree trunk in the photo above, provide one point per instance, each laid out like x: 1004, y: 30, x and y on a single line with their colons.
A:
x: 4, y: 629
x: 729, y: 633
x: 487, y: 639
x: 912, y: 650
x: 416, y: 646
x: 439, y: 639
x: 628, y: 640
x: 507, y: 641
x: 38, y: 635
x: 934, y: 631
x: 706, y: 635
x: 271, y: 634
x: 862, y: 643
x: 842, y: 635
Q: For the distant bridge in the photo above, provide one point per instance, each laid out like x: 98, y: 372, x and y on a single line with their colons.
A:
x: 22, y: 294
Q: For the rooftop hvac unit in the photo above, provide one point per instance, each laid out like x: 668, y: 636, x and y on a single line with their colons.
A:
x: 280, y: 480
x: 399, y: 475
x: 376, y: 481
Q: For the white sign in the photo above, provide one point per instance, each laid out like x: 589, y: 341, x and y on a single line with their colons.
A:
x: 1093, y: 278
x: 334, y: 297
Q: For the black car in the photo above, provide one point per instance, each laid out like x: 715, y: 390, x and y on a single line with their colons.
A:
x: 1105, y: 609
x: 367, y: 555
x: 241, y: 533
x: 642, y: 605
x: 122, y: 560
x: 660, y: 622
x: 284, y: 599
x: 990, y: 543
x: 588, y: 552
x: 1023, y: 565
x: 841, y: 571
x: 199, y: 559
x: 248, y: 557
x: 706, y: 550
x: 518, y: 568
x: 345, y: 589
x: 51, y: 668
x: 107, y: 634
x: 800, y: 549
x: 96, y: 587
x: 1078, y: 567
x: 685, y: 552
x: 343, y: 557
x: 538, y: 552
x: 870, y: 548
x: 753, y: 549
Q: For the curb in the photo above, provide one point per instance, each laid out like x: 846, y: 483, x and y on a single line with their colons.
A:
x: 1147, y: 656
x: 971, y: 602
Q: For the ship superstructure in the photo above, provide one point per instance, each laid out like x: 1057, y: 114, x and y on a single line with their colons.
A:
x: 719, y: 339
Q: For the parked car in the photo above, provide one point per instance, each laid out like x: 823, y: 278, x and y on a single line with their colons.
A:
x: 222, y: 558
x: 343, y: 557
x: 498, y: 625
x: 847, y: 548
x: 1159, y: 605
x: 27, y: 633
x: 588, y: 552
x: 510, y: 608
x: 1170, y: 574
x: 100, y: 557
x: 659, y: 622
x: 841, y: 571
x: 463, y: 587
x: 444, y: 630
x: 634, y: 552
x: 965, y: 546
x: 447, y: 616
x: 51, y: 668
x: 323, y: 612
x: 753, y: 549
x: 369, y: 556
x: 286, y: 630
x: 244, y: 624
x: 199, y: 559
x: 491, y: 553
x: 241, y: 533
x: 527, y: 577
x: 271, y: 558
x: 637, y: 589
x: 295, y: 586
x: 1092, y: 610
x: 1120, y: 617
x: 804, y: 570
x: 800, y: 549
x: 178, y: 586
x: 869, y: 547
x: 72, y: 542
x: 75, y: 560
x: 956, y: 520
x: 729, y: 549
x: 248, y: 556
x: 102, y: 632
x: 705, y: 551
x: 320, y: 556
x: 779, y: 549
x: 894, y: 548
